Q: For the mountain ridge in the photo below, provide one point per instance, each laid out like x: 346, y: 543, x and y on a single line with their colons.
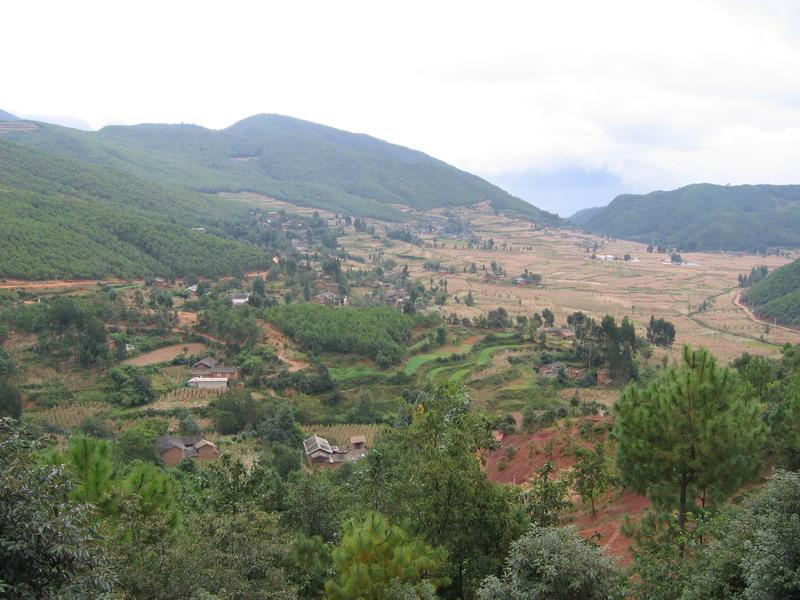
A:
x: 290, y: 159
x: 706, y: 216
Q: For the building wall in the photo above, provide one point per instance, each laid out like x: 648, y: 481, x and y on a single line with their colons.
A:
x: 211, y: 385
x: 207, y: 453
x: 172, y: 456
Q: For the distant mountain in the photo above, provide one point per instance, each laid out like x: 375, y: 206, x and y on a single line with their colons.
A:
x: 583, y: 216
x: 7, y: 116
x: 297, y: 161
x: 777, y: 296
x: 706, y: 217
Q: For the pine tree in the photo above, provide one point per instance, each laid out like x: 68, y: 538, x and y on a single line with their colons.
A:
x: 374, y: 555
x: 689, y: 439
x: 592, y: 475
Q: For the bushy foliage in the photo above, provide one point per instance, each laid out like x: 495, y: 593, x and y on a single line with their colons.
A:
x: 691, y: 437
x: 131, y: 386
x: 427, y: 476
x: 660, y: 332
x: 555, y: 564
x: 376, y: 332
x: 374, y: 555
x: 753, y: 552
x: 49, y: 548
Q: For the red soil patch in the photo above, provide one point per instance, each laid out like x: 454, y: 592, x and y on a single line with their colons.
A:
x: 605, y: 527
x: 535, y: 449
x: 186, y: 319
x: 557, y: 447
x: 279, y: 341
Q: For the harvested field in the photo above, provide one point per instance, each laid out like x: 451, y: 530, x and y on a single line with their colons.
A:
x: 165, y: 354
x: 572, y: 281
x: 186, y: 319
x: 68, y: 415
x: 602, y: 395
x: 183, y: 398
x: 341, y: 434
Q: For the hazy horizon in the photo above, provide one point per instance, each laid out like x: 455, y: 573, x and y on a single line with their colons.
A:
x: 564, y: 106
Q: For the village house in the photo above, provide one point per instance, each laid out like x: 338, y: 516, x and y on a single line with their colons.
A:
x: 329, y: 299
x: 240, y: 299
x: 320, y: 453
x: 604, y: 378
x: 211, y: 367
x: 562, y: 332
x: 553, y: 369
x: 173, y: 449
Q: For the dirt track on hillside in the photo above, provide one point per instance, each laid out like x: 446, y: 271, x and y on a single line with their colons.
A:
x: 738, y: 302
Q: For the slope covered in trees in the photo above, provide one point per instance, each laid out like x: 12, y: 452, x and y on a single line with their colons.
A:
x: 60, y: 217
x: 293, y: 160
x: 776, y: 297
x: 706, y: 217
x: 585, y: 215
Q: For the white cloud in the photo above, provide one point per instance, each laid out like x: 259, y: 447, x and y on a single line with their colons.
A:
x: 657, y: 94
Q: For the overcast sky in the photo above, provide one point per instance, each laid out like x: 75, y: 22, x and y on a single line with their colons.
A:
x: 563, y: 103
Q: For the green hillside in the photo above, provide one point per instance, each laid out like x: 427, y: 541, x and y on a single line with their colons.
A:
x: 583, y: 216
x: 706, y: 217
x: 7, y: 116
x: 289, y: 159
x: 777, y: 296
x: 63, y: 218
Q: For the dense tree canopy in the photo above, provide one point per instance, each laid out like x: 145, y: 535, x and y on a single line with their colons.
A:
x: 555, y: 564
x: 690, y: 438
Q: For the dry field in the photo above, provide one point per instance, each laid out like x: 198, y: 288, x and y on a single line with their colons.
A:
x: 165, y: 354
x: 183, y: 398
x: 69, y: 415
x: 573, y: 281
x: 341, y: 434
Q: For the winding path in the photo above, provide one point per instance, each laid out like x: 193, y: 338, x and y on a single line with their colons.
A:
x: 738, y: 302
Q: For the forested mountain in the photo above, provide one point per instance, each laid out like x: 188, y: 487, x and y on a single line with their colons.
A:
x: 7, y: 116
x: 289, y: 159
x: 583, y: 216
x: 706, y: 217
x: 60, y: 217
x: 777, y: 296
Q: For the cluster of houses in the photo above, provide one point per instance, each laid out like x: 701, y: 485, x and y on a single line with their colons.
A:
x: 172, y: 449
x: 565, y: 333
x: 210, y: 374
x: 553, y: 370
x: 329, y: 299
x: 320, y: 453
